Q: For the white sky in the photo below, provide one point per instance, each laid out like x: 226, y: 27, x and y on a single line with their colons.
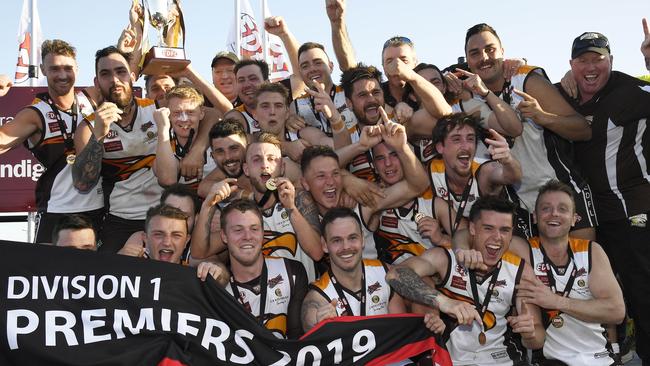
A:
x: 542, y: 32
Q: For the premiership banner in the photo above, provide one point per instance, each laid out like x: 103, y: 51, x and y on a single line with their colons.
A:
x: 64, y: 306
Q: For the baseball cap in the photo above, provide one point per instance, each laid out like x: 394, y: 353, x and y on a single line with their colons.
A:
x: 224, y: 54
x: 590, y: 41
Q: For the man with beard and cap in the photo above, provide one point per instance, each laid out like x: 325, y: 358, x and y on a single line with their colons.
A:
x: 290, y: 217
x: 47, y: 129
x: 118, y: 142
x: 548, y: 122
x: 178, y: 124
x: 488, y: 295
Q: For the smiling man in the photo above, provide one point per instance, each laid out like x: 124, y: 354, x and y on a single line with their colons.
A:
x: 118, y: 142
x: 488, y: 296
x: 615, y: 162
x: 270, y: 288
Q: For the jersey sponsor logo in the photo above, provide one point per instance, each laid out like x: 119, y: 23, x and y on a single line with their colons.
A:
x: 389, y: 221
x: 458, y: 282
x: 581, y: 272
x: 442, y: 192
x: 460, y: 270
x: 541, y: 267
x: 501, y: 283
x: 275, y: 281
x: 53, y: 126
x: 51, y: 115
x: 374, y: 288
x: 111, y: 146
x: 499, y: 355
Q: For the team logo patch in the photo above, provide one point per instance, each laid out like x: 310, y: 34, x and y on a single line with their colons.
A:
x: 275, y: 281
x: 375, y: 299
x: 374, y: 288
x: 581, y: 272
x: 388, y: 221
x: 284, y: 215
x: 581, y: 283
x: 471, y: 198
x: 278, y: 293
x: 557, y: 321
x: 495, y: 293
x: 458, y: 282
x: 442, y: 192
x: 146, y: 126
x: 460, y: 270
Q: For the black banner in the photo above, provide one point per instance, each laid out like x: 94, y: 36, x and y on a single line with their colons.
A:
x: 62, y: 306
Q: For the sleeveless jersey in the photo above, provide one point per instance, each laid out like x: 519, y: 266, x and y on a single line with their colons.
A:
x: 277, y: 294
x: 543, y: 155
x: 55, y: 192
x: 252, y: 125
x: 571, y: 340
x: 397, y: 237
x: 500, y: 348
x: 280, y: 239
x: 439, y: 185
x: 377, y: 292
x: 369, y: 245
x: 305, y: 108
x: 208, y: 166
x: 128, y: 162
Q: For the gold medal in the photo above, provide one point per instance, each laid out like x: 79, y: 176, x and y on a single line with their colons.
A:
x: 482, y: 339
x: 557, y: 321
x: 271, y: 185
x: 70, y: 159
x: 419, y: 216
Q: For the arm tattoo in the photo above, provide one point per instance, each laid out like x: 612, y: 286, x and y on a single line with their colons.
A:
x: 307, y: 207
x: 88, y: 165
x: 408, y: 284
x: 307, y: 307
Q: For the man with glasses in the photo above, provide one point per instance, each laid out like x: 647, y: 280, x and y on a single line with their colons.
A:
x: 614, y: 163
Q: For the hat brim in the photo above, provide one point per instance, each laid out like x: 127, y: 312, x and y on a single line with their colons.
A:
x: 598, y: 50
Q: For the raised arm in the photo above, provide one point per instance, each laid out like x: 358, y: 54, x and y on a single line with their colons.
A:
x: 545, y: 106
x: 166, y: 166
x: 340, y: 38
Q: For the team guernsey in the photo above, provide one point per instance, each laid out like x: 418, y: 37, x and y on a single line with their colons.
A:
x: 439, y: 184
x: 270, y: 297
x: 305, y: 107
x: 180, y: 151
x: 280, y: 239
x: 543, y: 154
x: 252, y: 125
x: 397, y: 237
x: 374, y: 296
x: 499, y: 347
x: 127, y: 166
x: 568, y: 339
x: 55, y: 192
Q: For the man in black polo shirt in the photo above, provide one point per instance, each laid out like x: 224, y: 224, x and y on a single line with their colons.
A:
x: 615, y: 162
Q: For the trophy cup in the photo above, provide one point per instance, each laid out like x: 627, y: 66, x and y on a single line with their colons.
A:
x: 165, y: 58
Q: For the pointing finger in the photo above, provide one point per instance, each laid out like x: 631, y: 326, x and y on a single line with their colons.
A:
x: 526, y: 97
x: 646, y: 31
x: 384, y: 116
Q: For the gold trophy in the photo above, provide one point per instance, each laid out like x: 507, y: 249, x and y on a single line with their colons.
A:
x: 166, y: 17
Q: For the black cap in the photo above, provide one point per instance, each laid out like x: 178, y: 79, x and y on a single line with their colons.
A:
x: 590, y: 41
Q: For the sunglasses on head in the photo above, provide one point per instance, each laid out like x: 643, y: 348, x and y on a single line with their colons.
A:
x: 398, y: 39
x: 593, y: 42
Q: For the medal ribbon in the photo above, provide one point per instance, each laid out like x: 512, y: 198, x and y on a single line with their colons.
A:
x: 482, y: 307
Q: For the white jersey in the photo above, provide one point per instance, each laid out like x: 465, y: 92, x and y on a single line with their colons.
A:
x: 398, y: 236
x: 439, y: 185
x: 280, y: 239
x: 128, y: 164
x: 375, y: 294
x: 369, y: 245
x: 277, y: 295
x: 305, y: 108
x: 568, y: 339
x: 499, y: 347
x: 55, y: 192
x: 252, y: 125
